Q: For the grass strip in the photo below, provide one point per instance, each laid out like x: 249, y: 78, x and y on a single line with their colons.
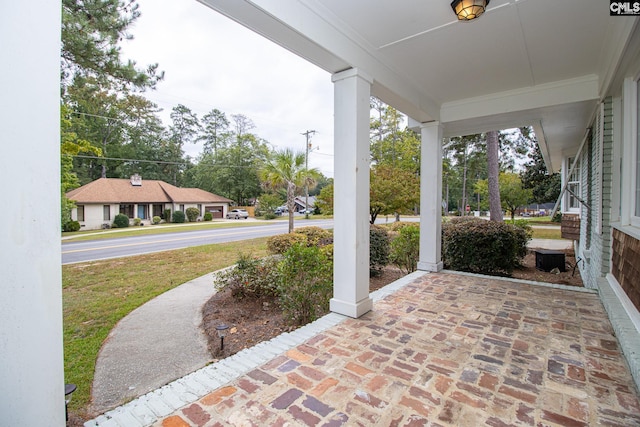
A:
x: 116, y: 233
x: 96, y: 295
x: 546, y: 233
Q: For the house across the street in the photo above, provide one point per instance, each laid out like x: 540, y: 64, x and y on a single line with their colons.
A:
x: 301, y: 203
x: 98, y: 202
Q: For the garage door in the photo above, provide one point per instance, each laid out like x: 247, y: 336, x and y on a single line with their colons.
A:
x: 216, y: 211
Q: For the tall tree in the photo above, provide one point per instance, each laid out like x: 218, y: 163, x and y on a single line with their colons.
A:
x: 493, y: 171
x: 392, y: 190
x: 287, y: 169
x: 215, y: 131
x: 71, y: 145
x: 324, y: 200
x: 242, y: 124
x: 91, y: 33
x: 512, y: 194
x: 98, y: 117
x: 184, y: 129
x: 390, y: 142
x: 545, y: 187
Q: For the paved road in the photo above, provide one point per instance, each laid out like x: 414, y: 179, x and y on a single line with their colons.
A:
x: 92, y: 250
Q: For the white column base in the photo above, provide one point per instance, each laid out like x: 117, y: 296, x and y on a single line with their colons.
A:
x: 430, y: 266
x: 350, y: 309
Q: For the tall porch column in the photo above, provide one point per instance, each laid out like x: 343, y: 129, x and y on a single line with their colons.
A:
x: 431, y: 197
x: 31, y: 360
x: 351, y: 194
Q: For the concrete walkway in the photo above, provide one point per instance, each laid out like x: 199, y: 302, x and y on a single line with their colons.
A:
x: 153, y: 345
x: 552, y: 244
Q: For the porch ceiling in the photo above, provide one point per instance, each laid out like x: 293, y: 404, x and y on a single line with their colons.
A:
x: 544, y: 63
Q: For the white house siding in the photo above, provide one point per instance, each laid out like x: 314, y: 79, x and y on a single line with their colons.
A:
x: 93, y: 216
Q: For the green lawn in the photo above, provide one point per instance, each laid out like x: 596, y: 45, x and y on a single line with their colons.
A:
x: 96, y: 295
x: 155, y: 229
x: 540, y: 220
x: 173, y: 228
x: 545, y: 233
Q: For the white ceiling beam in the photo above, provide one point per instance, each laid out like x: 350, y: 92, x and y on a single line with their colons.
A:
x: 530, y: 98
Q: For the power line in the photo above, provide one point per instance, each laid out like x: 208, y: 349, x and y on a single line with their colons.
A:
x: 129, y: 160
x: 157, y: 161
x: 98, y: 116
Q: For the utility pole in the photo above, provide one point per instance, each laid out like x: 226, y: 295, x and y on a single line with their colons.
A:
x: 308, y: 135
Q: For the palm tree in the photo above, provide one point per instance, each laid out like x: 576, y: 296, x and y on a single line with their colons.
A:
x: 286, y: 169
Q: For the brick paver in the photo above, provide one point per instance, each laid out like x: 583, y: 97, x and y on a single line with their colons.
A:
x: 446, y: 350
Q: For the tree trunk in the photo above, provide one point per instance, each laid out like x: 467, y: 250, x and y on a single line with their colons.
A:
x: 493, y: 169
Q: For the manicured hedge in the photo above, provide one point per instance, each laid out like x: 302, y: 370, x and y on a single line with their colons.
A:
x: 178, y: 217
x: 486, y: 247
x: 121, y: 221
x: 279, y: 244
x: 379, y: 246
x: 315, y: 235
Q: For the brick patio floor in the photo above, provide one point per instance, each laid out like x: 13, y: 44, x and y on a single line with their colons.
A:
x: 445, y: 350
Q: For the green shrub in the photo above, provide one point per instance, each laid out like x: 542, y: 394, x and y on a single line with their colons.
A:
x: 379, y: 246
x: 137, y: 221
x: 306, y: 283
x: 399, y: 225
x: 178, y: 217
x: 314, y: 234
x: 485, y: 247
x: 557, y: 217
x: 121, y: 221
x: 250, y: 277
x: 71, y: 226
x: 269, y: 215
x: 405, y: 247
x: 327, y: 250
x: 193, y: 214
x: 156, y: 220
x: 279, y: 244
x: 208, y: 216
x: 167, y: 215
x: 525, y: 225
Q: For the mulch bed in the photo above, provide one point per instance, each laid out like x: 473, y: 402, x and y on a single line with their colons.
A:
x: 253, y: 321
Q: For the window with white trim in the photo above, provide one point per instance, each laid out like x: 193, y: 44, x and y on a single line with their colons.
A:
x: 573, y: 186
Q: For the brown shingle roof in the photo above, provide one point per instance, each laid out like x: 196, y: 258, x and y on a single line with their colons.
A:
x: 114, y: 190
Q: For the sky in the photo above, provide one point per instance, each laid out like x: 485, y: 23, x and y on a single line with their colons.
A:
x: 212, y: 62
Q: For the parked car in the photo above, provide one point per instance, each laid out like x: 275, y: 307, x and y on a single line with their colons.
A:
x: 237, y: 214
x: 281, y: 210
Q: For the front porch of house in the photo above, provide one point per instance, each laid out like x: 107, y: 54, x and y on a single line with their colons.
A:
x: 444, y: 349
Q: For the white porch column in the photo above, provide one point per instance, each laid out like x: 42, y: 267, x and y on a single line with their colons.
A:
x: 351, y: 194
x: 31, y: 362
x: 431, y: 197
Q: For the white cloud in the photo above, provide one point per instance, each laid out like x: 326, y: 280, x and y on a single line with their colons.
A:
x: 213, y: 62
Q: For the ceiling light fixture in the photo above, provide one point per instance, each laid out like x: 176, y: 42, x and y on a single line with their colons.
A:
x: 468, y: 10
